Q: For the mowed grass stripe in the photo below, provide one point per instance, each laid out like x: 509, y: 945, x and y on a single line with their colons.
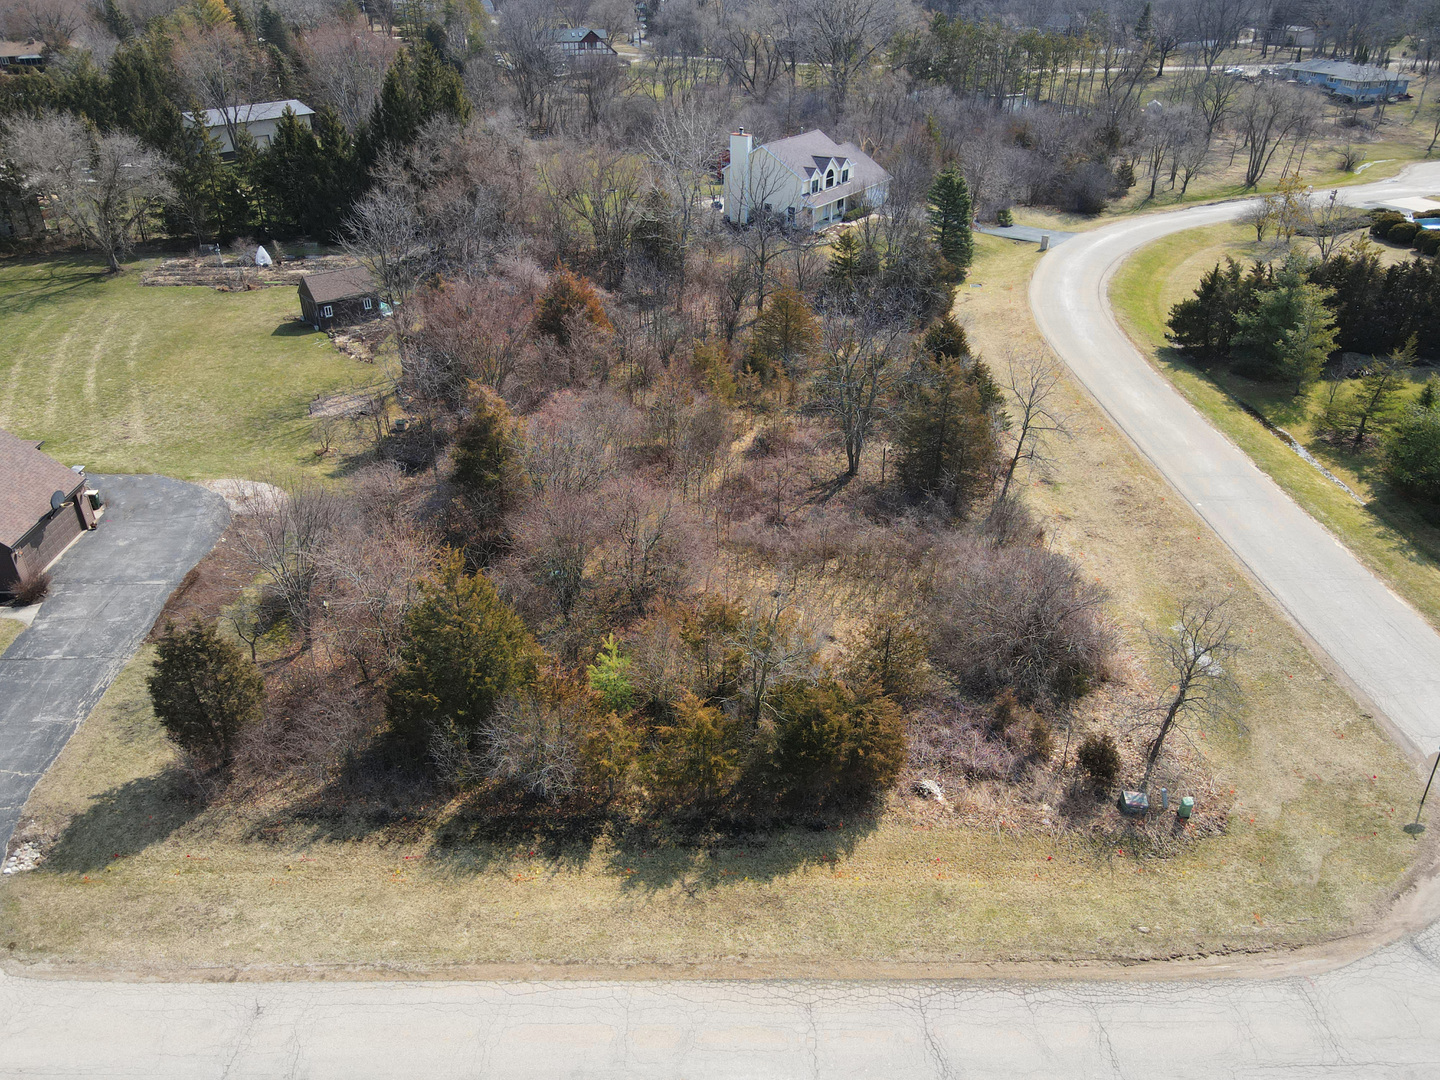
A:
x: 184, y: 381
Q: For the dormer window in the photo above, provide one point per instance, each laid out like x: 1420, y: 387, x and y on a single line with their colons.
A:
x: 814, y: 185
x: 830, y: 178
x: 844, y: 176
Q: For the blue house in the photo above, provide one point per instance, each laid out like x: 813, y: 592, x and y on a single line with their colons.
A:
x: 1353, y: 82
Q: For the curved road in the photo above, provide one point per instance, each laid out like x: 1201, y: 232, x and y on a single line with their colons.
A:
x: 1377, y: 641
x: 1372, y: 1018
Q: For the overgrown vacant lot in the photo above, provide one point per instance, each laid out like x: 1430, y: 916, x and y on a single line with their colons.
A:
x: 189, y: 382
x: 1387, y: 532
x: 139, y: 877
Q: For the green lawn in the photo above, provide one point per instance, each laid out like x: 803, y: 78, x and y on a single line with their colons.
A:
x: 1385, y: 532
x: 10, y: 629
x: 190, y: 382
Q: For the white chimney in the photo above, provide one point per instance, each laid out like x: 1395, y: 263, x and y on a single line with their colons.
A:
x: 737, y: 177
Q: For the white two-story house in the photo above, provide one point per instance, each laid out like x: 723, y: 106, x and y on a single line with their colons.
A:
x: 809, y: 179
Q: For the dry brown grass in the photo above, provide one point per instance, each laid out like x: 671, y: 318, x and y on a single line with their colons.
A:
x: 137, y: 877
x: 10, y: 629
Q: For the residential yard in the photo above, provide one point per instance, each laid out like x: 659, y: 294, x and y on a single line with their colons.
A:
x: 140, y: 878
x: 1392, y: 538
x: 189, y: 382
x: 9, y: 630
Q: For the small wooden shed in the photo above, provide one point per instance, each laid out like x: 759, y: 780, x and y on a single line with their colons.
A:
x: 338, y: 297
x: 43, y: 507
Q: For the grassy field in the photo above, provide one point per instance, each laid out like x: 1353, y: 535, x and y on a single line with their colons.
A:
x: 1386, y: 532
x: 9, y: 630
x: 139, y: 878
x: 189, y: 382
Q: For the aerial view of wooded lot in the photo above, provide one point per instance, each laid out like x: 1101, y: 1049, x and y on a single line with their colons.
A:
x: 722, y: 488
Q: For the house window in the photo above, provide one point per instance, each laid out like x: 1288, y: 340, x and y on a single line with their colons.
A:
x: 844, y: 176
x: 814, y: 185
x: 830, y: 178
x: 368, y: 304
x: 326, y: 311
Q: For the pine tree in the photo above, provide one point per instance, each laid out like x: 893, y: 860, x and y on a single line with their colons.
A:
x: 204, y: 691
x: 485, y: 460
x: 464, y: 649
x: 273, y: 29
x: 1379, y: 386
x: 698, y: 757
x: 419, y: 87
x: 945, y: 437
x: 785, y: 334
x: 568, y: 298
x: 950, y: 218
x: 1144, y: 27
x: 1291, y: 330
x: 117, y: 22
x: 609, y: 677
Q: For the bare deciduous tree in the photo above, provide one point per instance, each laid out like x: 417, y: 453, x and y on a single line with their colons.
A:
x: 104, y: 186
x: 290, y: 526
x: 346, y: 64
x: 1195, y: 655
x: 1032, y: 383
x: 852, y: 388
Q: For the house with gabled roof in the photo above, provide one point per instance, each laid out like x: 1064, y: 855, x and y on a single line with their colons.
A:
x: 809, y: 180
x: 581, y: 41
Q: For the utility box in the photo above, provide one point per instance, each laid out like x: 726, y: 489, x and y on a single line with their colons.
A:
x: 1134, y: 802
x: 1187, y: 807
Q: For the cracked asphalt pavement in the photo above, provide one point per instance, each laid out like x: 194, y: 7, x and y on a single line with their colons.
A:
x: 105, y: 594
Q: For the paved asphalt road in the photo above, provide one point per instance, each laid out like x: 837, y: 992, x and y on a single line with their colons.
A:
x: 1372, y: 1019
x: 105, y: 594
x: 1372, y: 637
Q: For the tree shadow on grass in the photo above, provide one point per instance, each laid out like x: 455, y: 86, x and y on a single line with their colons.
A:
x: 124, y: 821
x: 43, y: 282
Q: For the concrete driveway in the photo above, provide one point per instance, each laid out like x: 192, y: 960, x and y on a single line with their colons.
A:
x: 1371, y: 637
x: 105, y: 594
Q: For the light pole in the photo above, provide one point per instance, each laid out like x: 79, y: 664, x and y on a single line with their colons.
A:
x: 1415, y: 826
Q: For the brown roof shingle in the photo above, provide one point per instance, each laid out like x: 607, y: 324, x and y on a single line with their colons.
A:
x: 332, y: 285
x: 27, y: 480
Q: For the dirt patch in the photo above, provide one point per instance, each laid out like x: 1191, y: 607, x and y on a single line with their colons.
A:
x: 213, y: 583
x: 363, y: 340
x: 232, y: 274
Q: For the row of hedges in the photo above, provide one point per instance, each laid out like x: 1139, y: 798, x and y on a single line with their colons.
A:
x: 1396, y: 228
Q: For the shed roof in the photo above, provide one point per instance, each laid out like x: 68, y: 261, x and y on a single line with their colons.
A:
x: 27, y: 480
x: 253, y: 114
x: 333, y: 285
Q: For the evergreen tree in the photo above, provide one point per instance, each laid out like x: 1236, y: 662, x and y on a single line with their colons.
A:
x: 274, y: 31
x: 786, y: 333
x: 1412, y: 455
x: 419, y: 87
x: 833, y: 744
x: 117, y: 22
x: 945, y: 437
x: 609, y: 676
x: 1291, y: 330
x: 697, y: 761
x: 204, y: 691
x: 1145, y: 25
x: 1382, y: 382
x: 464, y: 649
x: 309, y: 175
x: 568, y: 298
x: 485, y: 460
x: 951, y: 215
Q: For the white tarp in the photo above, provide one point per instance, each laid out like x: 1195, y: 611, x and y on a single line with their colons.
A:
x: 262, y: 257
